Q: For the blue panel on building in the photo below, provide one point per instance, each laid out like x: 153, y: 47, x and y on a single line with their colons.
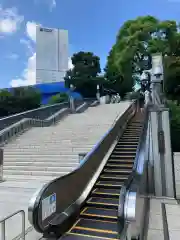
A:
x: 47, y: 90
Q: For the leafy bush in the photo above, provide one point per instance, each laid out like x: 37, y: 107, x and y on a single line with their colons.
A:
x: 175, y: 125
x: 58, y: 98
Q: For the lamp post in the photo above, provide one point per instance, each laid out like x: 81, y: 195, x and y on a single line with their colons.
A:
x: 71, y: 99
x: 98, y: 93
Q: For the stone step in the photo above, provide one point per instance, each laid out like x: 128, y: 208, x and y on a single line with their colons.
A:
x: 35, y: 173
x: 49, y: 156
x: 52, y: 153
x: 59, y: 140
x: 39, y: 168
x: 29, y: 179
x: 43, y: 148
x: 42, y: 163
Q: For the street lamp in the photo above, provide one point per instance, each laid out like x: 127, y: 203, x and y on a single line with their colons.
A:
x: 71, y: 99
x: 98, y: 93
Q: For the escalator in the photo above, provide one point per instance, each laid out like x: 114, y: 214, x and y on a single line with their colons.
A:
x: 98, y: 216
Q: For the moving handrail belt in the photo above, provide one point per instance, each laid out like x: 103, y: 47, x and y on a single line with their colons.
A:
x: 71, y: 190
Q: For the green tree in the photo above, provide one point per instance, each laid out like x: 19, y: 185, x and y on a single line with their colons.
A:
x: 172, y: 77
x: 136, y: 40
x: 84, y: 74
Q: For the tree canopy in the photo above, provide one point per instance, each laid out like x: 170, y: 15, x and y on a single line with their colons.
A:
x: 18, y: 100
x: 84, y: 74
x: 136, y: 40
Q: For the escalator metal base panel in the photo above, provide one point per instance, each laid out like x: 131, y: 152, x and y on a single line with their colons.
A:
x: 98, y: 217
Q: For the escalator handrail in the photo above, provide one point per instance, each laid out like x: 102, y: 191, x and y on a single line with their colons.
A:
x: 128, y: 184
x: 35, y: 201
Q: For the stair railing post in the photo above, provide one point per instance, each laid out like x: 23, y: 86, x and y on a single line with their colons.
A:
x: 1, y: 164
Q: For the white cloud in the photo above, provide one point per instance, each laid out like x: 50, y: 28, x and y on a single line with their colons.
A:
x: 29, y: 74
x: 31, y: 30
x: 28, y: 45
x: 10, y: 20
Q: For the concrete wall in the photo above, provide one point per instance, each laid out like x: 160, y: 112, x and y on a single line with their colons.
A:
x: 177, y: 173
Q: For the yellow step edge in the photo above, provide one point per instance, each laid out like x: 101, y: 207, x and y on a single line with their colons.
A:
x: 113, y: 171
x: 74, y: 224
x: 95, y: 208
x: 84, y: 235
x: 119, y: 165
x: 102, y: 198
x: 100, y: 203
x: 98, y: 220
x: 109, y: 185
x: 116, y: 178
x: 114, y: 194
x: 120, y: 147
x: 96, y: 215
x: 95, y: 230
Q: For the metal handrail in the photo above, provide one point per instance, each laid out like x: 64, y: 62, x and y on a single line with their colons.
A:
x: 129, y: 189
x: 3, y: 225
x: 26, y: 123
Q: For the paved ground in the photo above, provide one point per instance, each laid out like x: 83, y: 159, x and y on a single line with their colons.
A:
x: 19, y: 186
x: 160, y: 225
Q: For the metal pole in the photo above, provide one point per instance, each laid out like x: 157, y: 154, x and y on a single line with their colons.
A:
x: 1, y: 164
x: 3, y: 228
x: 98, y: 93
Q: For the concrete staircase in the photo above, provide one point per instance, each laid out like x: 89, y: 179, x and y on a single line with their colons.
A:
x: 41, y: 154
x: 45, y: 153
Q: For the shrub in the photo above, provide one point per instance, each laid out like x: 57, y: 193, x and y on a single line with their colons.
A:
x: 58, y: 98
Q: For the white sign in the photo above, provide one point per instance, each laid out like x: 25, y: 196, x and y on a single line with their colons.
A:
x: 48, y: 206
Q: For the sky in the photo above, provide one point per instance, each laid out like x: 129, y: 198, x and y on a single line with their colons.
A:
x: 92, y: 26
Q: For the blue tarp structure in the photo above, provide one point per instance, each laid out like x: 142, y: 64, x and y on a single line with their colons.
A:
x: 47, y: 90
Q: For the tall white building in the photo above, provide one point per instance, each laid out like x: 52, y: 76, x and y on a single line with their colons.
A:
x: 51, y: 54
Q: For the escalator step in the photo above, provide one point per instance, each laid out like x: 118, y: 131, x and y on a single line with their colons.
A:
x: 76, y: 236
x: 106, y: 192
x: 126, y: 137
x: 118, y: 151
x: 109, y: 184
x: 124, y: 156
x: 120, y: 147
x: 96, y: 224
x: 127, y: 144
x: 95, y: 233
x: 121, y: 161
x: 99, y: 213
x: 128, y: 141
x: 119, y: 165
x: 133, y: 132
x: 124, y: 152
x: 120, y: 171
x: 103, y: 202
x: 113, y: 177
